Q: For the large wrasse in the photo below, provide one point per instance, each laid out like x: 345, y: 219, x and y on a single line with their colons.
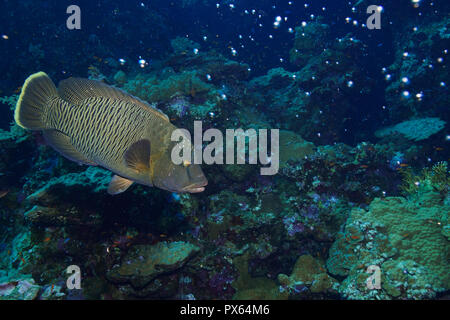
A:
x: 92, y: 123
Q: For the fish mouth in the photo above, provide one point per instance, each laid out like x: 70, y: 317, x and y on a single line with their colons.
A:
x: 196, y: 188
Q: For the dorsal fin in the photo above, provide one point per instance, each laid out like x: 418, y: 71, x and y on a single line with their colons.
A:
x: 137, y: 157
x: 75, y: 90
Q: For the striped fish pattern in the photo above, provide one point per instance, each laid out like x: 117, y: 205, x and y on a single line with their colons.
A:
x: 92, y: 123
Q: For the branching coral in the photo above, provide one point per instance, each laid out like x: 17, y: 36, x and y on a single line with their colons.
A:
x: 436, y: 178
x: 439, y: 176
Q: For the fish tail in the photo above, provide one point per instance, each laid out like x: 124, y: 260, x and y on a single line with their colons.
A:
x: 33, y: 102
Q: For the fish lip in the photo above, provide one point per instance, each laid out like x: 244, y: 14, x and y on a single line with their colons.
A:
x: 196, y: 188
x: 204, y: 183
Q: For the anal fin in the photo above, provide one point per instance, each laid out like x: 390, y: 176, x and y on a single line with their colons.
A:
x: 62, y: 143
x: 119, y: 185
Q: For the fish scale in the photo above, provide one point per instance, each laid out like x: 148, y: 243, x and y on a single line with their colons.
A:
x: 90, y: 127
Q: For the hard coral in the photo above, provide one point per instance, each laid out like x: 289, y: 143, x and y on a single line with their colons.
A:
x: 419, y: 129
x: 404, y: 238
x: 310, y: 273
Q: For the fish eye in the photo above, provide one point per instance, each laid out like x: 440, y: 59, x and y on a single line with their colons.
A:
x: 186, y: 163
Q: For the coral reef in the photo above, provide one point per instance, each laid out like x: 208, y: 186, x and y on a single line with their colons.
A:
x: 254, y: 288
x: 416, y: 130
x: 404, y: 238
x: 308, y: 275
x: 435, y: 179
x: 363, y: 176
x: 23, y: 289
x: 417, y: 76
x: 143, y: 264
x: 310, y: 40
x: 304, y: 101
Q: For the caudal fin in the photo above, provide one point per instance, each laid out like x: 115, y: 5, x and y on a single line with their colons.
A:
x: 32, y: 105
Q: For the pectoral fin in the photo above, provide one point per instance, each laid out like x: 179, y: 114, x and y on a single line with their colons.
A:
x: 118, y: 185
x: 137, y: 156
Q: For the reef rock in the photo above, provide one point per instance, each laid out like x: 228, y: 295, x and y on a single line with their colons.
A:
x: 308, y: 273
x: 310, y: 40
x: 23, y: 289
x: 92, y: 181
x: 144, y: 263
x: 52, y: 292
x: 293, y: 147
x: 254, y: 288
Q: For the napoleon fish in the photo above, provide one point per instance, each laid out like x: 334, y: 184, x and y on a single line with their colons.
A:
x: 92, y: 123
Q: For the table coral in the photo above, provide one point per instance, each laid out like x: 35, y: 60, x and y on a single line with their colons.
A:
x: 418, y: 129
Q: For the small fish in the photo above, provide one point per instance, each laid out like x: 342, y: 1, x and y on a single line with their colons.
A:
x: 92, y: 123
x: 47, y: 239
x: 3, y: 193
